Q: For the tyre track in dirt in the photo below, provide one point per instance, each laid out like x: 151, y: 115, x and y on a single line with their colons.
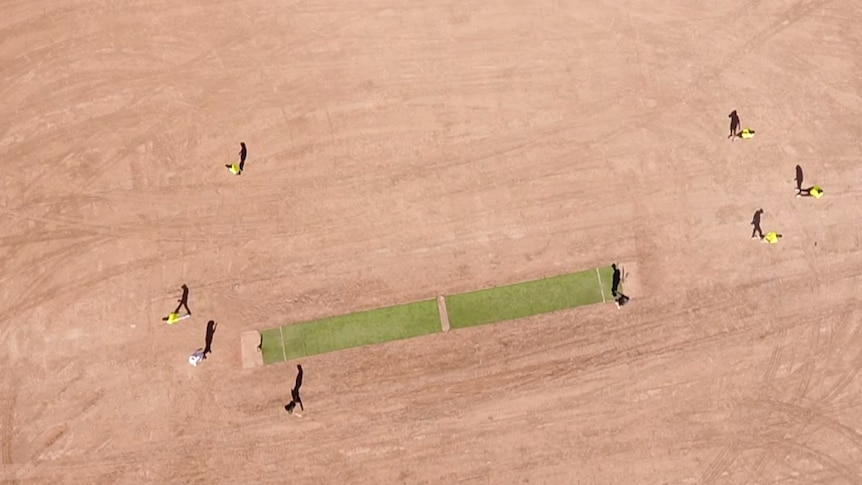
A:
x: 151, y: 135
x: 21, y: 27
x: 56, y: 137
x: 58, y: 431
x: 163, y: 236
x: 7, y: 437
x: 61, y: 98
x: 628, y: 123
x: 809, y: 364
x: 586, y: 364
x: 775, y: 359
x: 741, y: 8
x: 798, y: 11
x: 848, y: 376
x: 586, y: 119
x: 845, y: 380
x: 804, y: 417
x: 719, y: 465
x: 644, y: 349
x: 650, y: 347
x: 79, y: 225
x: 27, y: 280
x: 160, y: 231
x: 827, y: 461
x: 52, y: 261
x: 78, y: 288
x: 767, y: 458
x: 39, y: 237
x: 126, y: 460
x: 137, y: 175
x: 179, y: 449
x: 60, y: 136
x: 329, y: 31
x: 69, y: 131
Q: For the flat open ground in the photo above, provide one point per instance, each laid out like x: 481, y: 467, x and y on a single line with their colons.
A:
x: 399, y: 150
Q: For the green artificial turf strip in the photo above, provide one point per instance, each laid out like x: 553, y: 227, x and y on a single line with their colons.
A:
x: 526, y: 299
x: 271, y: 346
x: 362, y: 328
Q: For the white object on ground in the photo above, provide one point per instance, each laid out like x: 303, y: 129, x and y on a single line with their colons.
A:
x: 196, y: 357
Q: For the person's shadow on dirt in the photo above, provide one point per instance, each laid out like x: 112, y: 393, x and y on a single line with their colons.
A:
x: 184, y: 300
x: 734, y: 124
x: 294, y: 393
x: 756, y: 232
x: 799, y: 177
x: 615, y: 282
x: 211, y: 328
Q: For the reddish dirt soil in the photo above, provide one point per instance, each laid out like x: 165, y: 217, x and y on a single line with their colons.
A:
x: 401, y: 150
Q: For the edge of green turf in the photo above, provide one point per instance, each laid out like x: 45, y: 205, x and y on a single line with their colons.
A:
x: 529, y: 298
x: 272, y: 347
x: 358, y: 329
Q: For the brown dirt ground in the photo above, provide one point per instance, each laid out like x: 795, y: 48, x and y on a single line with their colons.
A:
x: 400, y: 150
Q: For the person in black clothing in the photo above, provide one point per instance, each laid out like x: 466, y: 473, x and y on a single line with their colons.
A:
x: 184, y: 301
x: 734, y: 124
x: 615, y: 284
x: 242, y: 154
x: 294, y: 393
x: 756, y: 232
x: 236, y: 168
x: 619, y: 298
x: 211, y: 328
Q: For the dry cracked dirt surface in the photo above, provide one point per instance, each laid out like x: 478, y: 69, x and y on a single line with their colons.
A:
x: 400, y: 150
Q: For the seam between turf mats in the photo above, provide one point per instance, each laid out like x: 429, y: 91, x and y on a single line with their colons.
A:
x: 283, y: 349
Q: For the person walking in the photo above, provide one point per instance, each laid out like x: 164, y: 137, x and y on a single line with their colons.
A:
x: 184, y: 300
x: 174, y: 316
x: 756, y: 232
x: 734, y: 124
x: 615, y: 280
x: 294, y: 393
x: 237, y: 168
x: 619, y: 298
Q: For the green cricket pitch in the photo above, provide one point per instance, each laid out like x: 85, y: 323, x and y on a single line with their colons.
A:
x: 352, y: 330
x: 529, y: 298
x: 491, y: 305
